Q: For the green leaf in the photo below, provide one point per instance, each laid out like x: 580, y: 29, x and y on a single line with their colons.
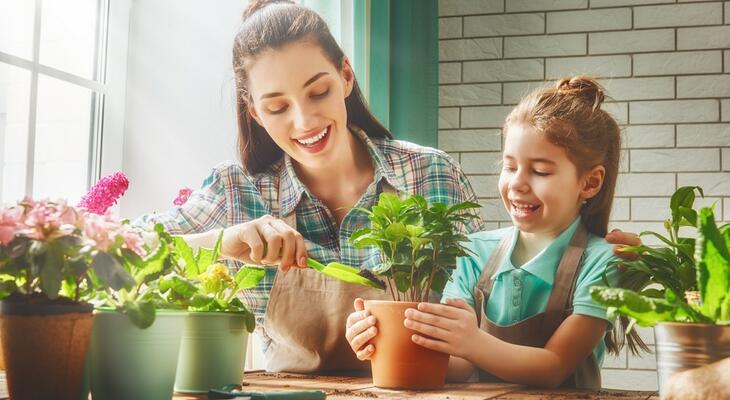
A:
x: 201, y: 302
x: 249, y: 277
x: 396, y: 232
x: 140, y: 313
x: 153, y: 263
x: 646, y: 311
x: 688, y: 215
x: 402, y: 281
x: 110, y: 272
x: 713, y: 265
x: 206, y: 257
x: 180, y: 286
x: 463, y: 206
x: 7, y: 288
x: 683, y: 197
x: 439, y: 281
x: 185, y: 252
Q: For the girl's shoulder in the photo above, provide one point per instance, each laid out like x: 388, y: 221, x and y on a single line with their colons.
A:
x: 598, y: 247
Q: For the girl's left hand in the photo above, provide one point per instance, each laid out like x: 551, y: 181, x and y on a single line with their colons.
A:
x: 449, y: 328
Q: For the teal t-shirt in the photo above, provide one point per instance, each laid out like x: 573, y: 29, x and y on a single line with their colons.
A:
x: 519, y: 293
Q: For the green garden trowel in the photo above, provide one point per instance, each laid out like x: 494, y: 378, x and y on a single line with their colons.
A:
x: 347, y: 274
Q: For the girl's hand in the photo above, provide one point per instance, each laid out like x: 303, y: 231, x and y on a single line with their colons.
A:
x: 621, y: 239
x: 450, y: 328
x: 360, y: 328
x: 266, y: 240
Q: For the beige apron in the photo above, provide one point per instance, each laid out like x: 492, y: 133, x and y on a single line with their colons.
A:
x: 537, y: 330
x: 305, y: 319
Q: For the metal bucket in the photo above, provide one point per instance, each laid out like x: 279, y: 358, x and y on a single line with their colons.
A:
x: 680, y: 347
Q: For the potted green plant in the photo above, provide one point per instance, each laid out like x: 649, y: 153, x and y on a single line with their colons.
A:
x: 682, y: 289
x: 137, y: 333
x: 216, y: 329
x: 50, y: 268
x: 419, y: 244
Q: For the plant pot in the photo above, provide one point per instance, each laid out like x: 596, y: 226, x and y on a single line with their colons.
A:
x: 2, y: 356
x: 398, y: 363
x: 681, y: 346
x: 132, y: 363
x: 44, y: 345
x: 212, y: 352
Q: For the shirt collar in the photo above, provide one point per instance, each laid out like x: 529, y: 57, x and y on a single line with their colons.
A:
x: 545, y: 264
x: 292, y: 189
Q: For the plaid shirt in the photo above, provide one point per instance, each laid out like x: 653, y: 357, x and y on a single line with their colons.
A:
x: 229, y: 197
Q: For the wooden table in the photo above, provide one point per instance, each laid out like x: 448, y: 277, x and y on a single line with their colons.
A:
x: 354, y: 388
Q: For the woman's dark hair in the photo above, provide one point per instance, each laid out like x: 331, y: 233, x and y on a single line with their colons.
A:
x: 273, y: 24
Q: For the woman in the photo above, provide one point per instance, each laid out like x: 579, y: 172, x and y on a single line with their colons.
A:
x: 311, y: 151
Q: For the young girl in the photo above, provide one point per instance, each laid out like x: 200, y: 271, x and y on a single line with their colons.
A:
x: 535, y: 322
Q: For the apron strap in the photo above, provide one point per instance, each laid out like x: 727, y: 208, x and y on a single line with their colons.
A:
x: 483, y: 288
x: 565, y: 280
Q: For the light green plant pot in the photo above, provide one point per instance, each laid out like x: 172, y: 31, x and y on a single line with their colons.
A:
x: 212, y: 353
x: 132, y: 363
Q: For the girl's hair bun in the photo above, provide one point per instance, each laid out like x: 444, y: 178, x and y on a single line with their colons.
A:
x: 255, y: 5
x: 583, y: 87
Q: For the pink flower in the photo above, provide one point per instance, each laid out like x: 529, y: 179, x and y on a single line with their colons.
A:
x: 45, y: 219
x: 9, y: 223
x: 133, y: 241
x: 182, y: 196
x: 101, y: 229
x: 105, y: 193
x: 107, y: 232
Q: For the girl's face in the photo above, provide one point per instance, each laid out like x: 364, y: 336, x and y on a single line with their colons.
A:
x: 298, y: 96
x: 539, y: 186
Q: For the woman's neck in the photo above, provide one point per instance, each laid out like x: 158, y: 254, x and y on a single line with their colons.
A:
x: 345, y: 178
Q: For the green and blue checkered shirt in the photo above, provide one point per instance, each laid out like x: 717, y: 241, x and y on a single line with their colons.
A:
x: 229, y: 196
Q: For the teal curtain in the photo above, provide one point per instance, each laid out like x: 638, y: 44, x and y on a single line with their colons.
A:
x: 393, y: 45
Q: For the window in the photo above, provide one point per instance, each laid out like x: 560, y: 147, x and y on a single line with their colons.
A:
x: 52, y: 94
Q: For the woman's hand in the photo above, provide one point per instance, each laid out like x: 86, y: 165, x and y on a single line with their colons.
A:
x: 360, y: 328
x: 622, y: 239
x: 449, y: 328
x: 265, y: 241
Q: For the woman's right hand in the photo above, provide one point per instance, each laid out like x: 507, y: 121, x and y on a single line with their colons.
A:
x: 360, y: 329
x: 265, y: 241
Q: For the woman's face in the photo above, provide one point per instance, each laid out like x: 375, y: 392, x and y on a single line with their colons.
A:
x: 298, y: 96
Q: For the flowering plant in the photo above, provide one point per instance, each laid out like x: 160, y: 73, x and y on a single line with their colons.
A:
x: 201, y: 283
x: 49, y: 249
x: 182, y: 196
x: 104, y: 193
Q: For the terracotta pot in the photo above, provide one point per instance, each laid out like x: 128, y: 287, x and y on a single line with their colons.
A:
x: 398, y: 363
x: 44, y: 346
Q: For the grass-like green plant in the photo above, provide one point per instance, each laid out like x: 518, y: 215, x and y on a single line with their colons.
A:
x: 655, y: 283
x: 418, y: 243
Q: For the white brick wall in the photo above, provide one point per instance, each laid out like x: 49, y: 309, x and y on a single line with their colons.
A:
x: 666, y: 66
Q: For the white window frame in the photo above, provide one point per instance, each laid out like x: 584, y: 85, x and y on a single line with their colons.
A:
x: 108, y: 88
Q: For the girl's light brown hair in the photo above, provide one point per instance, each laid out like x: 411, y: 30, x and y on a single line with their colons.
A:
x: 569, y: 115
x: 273, y: 24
